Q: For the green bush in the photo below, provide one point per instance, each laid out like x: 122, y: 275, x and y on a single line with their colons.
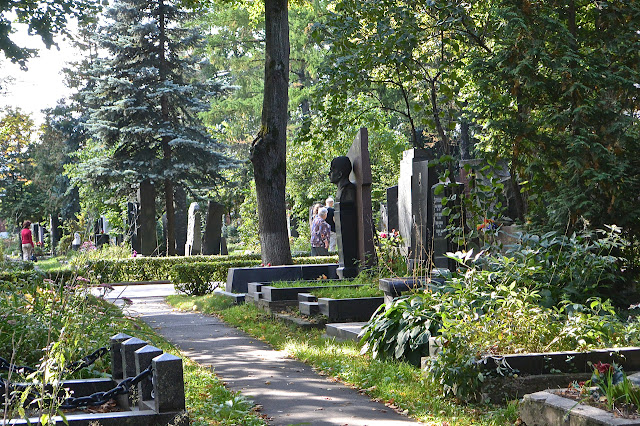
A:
x: 197, y: 278
x: 500, y: 304
x: 402, y: 329
x: 145, y: 268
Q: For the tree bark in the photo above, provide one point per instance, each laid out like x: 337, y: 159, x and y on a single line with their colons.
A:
x: 166, y: 148
x: 268, y: 150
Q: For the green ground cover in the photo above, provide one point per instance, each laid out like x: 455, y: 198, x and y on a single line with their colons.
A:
x: 348, y: 292
x: 305, y: 283
x: 399, y: 384
x: 47, y: 325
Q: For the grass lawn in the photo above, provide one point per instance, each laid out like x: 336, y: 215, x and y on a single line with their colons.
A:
x: 400, y: 385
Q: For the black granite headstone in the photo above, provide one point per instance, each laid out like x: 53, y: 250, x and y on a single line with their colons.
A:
x: 132, y: 226
x: 441, y: 244
x: 180, y: 217
x: 147, y: 218
x: 213, y: 228
x: 392, y: 208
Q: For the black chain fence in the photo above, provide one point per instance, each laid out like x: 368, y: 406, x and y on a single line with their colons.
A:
x: 97, y: 398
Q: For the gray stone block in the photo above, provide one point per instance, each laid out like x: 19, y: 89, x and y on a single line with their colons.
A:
x: 357, y: 309
x: 168, y: 383
x: 143, y: 357
x: 254, y: 287
x: 127, y: 352
x: 307, y: 297
x: 547, y: 409
x: 309, y: 308
x: 345, y: 331
x: 116, y: 354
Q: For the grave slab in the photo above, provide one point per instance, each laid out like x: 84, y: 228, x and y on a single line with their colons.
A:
x: 345, y: 331
x: 239, y: 278
x: 356, y: 309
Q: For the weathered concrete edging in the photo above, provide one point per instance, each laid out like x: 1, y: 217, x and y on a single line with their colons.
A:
x: 545, y: 408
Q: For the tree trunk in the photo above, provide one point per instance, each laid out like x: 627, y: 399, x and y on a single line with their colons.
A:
x: 268, y: 150
x: 166, y: 148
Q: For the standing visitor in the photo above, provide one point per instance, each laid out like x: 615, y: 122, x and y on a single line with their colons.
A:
x: 320, y: 234
x: 332, y: 224
x: 27, y: 241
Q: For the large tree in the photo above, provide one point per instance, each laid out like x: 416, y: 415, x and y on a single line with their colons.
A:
x: 269, y: 148
x: 145, y: 102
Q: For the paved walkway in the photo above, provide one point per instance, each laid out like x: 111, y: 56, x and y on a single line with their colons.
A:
x: 290, y: 392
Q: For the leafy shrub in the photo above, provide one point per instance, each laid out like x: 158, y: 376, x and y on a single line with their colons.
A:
x: 493, y: 305
x: 197, y: 278
x: 401, y: 330
x: 576, y: 267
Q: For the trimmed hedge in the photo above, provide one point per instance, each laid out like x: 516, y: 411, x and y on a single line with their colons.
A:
x: 160, y: 268
x: 149, y: 268
x: 197, y: 278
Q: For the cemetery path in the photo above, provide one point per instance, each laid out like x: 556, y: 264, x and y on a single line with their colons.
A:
x: 290, y: 392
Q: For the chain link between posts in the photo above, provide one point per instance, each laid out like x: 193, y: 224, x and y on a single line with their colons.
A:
x: 97, y: 398
x: 70, y: 368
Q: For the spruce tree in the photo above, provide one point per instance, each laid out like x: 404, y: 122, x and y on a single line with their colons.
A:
x: 145, y: 100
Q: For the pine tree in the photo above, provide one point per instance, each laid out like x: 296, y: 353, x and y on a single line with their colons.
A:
x: 145, y: 102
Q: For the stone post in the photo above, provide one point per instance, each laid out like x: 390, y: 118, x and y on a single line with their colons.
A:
x: 168, y: 383
x: 116, y: 355
x: 143, y: 357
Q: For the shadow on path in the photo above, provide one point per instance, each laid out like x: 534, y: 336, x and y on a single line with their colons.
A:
x: 290, y: 392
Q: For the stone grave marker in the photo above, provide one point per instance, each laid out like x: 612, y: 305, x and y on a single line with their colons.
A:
x: 414, y: 204
x: 441, y: 244
x: 132, y: 226
x: 147, y: 218
x: 353, y: 213
x: 392, y: 208
x: 211, y: 239
x: 194, y: 232
x: 181, y: 218
x: 361, y: 176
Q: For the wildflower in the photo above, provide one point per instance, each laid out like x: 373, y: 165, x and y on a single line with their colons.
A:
x: 602, y: 367
x: 134, y: 253
x: 79, y: 278
x: 106, y: 286
x: 127, y: 301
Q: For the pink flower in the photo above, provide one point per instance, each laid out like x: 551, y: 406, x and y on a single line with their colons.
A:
x: 134, y: 253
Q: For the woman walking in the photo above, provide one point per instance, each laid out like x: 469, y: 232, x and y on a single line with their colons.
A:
x: 27, y: 241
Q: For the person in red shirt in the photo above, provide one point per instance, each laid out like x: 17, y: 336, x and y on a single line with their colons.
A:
x: 27, y: 241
